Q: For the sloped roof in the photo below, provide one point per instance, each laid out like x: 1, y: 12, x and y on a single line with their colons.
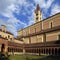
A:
x: 7, y: 32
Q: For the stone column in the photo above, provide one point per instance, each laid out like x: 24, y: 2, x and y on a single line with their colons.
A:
x: 0, y: 48
x: 50, y: 51
x: 57, y: 51
x: 6, y: 49
x: 47, y: 51
x: 23, y: 51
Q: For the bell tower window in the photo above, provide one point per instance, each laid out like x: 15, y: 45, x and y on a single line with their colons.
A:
x: 37, y: 18
x: 37, y: 14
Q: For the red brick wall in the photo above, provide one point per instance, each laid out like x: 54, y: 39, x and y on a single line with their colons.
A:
x: 55, y: 22
x: 3, y: 41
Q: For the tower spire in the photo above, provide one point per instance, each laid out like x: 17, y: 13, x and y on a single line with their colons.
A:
x: 37, y: 14
x: 37, y: 8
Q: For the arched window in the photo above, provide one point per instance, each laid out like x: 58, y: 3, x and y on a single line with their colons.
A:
x: 0, y: 35
x: 37, y: 14
x: 51, y: 24
x: 35, y: 30
x: 36, y: 18
x: 59, y: 37
x: 8, y: 36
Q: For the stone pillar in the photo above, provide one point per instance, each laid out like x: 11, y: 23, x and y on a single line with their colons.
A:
x: 6, y: 49
x: 23, y: 51
x: 39, y: 51
x: 0, y: 48
x: 57, y: 51
x: 37, y: 38
x: 36, y: 50
x: 50, y: 51
x: 29, y: 40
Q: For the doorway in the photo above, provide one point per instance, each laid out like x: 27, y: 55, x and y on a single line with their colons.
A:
x: 59, y: 37
x: 2, y: 47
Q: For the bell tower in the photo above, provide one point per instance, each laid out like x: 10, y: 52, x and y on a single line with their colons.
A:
x: 37, y: 14
x: 3, y: 27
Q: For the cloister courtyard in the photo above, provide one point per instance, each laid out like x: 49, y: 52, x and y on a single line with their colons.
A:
x: 31, y: 57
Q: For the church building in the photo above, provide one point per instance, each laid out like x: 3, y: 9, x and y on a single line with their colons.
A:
x: 42, y: 37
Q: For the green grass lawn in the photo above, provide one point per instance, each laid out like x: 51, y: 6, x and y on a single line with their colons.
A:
x: 31, y: 57
x: 16, y: 57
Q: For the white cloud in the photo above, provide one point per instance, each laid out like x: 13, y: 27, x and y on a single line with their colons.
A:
x: 10, y: 6
x: 49, y: 3
x: 2, y: 22
x: 4, y: 4
x: 22, y: 2
x: 12, y: 23
x: 44, y: 3
x: 55, y: 9
x: 40, y: 2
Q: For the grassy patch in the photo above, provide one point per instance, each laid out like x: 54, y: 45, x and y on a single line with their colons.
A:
x: 31, y: 57
x: 16, y: 57
x: 51, y: 58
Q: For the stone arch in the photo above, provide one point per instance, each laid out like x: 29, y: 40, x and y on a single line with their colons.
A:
x: 55, y: 51
x: 49, y: 51
x: 46, y: 51
x: 42, y: 51
x: 59, y: 51
x: 52, y: 51
x: 37, y: 50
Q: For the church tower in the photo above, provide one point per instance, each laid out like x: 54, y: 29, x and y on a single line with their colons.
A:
x: 37, y: 14
x: 3, y: 27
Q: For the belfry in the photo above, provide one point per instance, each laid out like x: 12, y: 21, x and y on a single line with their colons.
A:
x: 37, y: 14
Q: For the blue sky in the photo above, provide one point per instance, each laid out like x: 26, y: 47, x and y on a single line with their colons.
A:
x: 18, y: 14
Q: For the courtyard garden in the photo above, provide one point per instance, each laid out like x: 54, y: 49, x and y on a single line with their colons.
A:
x: 32, y: 57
